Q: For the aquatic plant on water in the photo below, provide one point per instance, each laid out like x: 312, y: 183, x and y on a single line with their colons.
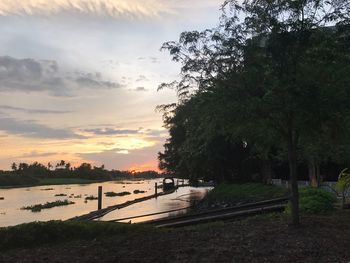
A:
x: 60, y: 195
x: 112, y: 194
x: 90, y: 198
x: 39, y: 207
x: 139, y: 192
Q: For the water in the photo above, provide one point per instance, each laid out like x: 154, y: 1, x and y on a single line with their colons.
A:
x: 14, y: 199
x: 184, y: 197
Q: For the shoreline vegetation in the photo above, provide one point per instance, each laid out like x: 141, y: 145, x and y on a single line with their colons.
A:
x: 37, y: 174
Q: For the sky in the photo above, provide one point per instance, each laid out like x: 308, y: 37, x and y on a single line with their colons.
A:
x: 79, y: 78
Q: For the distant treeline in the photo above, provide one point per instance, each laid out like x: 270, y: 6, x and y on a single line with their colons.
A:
x: 27, y: 174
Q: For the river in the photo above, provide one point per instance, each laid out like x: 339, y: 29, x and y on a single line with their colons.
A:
x: 11, y: 213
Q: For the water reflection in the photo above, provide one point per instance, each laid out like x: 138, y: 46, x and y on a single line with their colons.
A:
x: 184, y: 197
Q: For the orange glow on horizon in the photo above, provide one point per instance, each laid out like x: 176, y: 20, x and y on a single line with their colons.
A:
x: 149, y: 166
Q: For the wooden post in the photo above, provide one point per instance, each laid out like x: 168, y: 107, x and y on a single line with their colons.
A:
x: 156, y: 189
x: 99, y: 198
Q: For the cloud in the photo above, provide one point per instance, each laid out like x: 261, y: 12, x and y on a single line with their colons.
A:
x: 31, y: 75
x: 140, y: 89
x: 112, y: 8
x: 111, y: 131
x: 35, y: 130
x: 154, y: 60
x: 157, y: 133
x: 142, y: 78
x: 35, y: 154
x: 34, y: 111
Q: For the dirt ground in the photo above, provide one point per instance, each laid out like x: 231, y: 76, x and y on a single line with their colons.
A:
x: 258, y: 239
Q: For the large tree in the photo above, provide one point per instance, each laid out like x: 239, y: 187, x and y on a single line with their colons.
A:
x: 282, y: 69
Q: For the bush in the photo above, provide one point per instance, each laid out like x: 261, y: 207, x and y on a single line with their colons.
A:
x: 315, y: 201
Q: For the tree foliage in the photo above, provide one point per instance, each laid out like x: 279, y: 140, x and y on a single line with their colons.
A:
x: 274, y: 75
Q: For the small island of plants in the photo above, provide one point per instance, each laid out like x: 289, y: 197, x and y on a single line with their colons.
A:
x: 39, y: 207
x: 112, y: 194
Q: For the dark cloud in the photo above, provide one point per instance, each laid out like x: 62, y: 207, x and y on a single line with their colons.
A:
x: 38, y: 111
x: 142, y: 78
x: 156, y: 133
x: 35, y: 130
x: 111, y: 131
x: 154, y: 60
x: 140, y: 89
x: 31, y: 75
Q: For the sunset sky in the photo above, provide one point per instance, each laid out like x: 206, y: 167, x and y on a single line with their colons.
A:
x: 79, y: 78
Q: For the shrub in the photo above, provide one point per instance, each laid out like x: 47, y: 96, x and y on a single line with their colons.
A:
x: 314, y: 201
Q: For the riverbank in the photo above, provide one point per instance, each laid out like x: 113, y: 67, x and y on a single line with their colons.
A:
x: 266, y: 238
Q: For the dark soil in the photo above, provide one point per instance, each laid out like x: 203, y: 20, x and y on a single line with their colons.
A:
x: 258, y: 239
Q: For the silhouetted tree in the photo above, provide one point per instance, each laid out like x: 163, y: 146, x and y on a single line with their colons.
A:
x: 279, y: 70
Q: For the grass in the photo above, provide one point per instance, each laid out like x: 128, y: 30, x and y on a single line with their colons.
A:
x: 112, y: 194
x: 53, y: 232
x: 39, y: 207
x: 243, y: 193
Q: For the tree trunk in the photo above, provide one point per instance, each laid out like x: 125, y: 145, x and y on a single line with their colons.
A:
x: 292, y: 159
x: 312, y: 173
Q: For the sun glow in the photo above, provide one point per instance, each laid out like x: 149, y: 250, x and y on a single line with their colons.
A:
x: 152, y: 165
